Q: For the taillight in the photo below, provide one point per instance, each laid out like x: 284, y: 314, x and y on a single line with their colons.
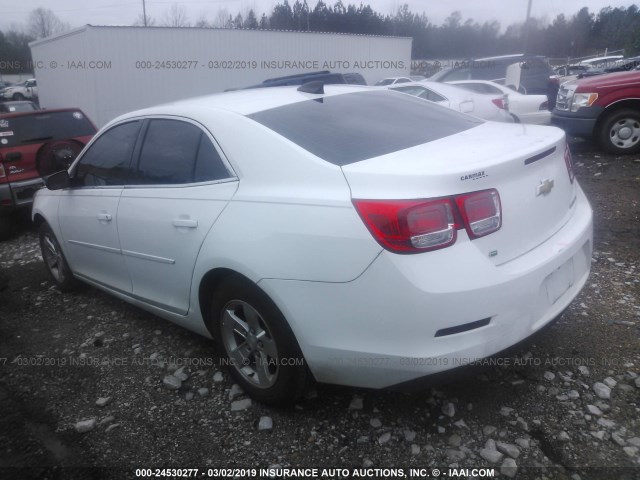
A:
x: 415, y: 226
x: 481, y: 212
x: 569, y: 162
x: 500, y: 103
x: 544, y: 106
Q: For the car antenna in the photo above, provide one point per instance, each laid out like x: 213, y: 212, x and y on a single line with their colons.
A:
x: 316, y: 87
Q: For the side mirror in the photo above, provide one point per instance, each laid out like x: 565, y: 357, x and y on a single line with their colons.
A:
x: 58, y: 180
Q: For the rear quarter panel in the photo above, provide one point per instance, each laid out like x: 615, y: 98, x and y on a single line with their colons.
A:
x: 291, y: 217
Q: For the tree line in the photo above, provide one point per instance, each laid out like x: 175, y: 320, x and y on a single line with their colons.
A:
x: 578, y: 35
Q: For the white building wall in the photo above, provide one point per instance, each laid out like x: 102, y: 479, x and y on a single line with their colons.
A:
x: 107, y: 71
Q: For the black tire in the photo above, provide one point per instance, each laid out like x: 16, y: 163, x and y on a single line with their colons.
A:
x: 284, y: 375
x: 619, y: 132
x: 54, y: 260
x: 18, y: 96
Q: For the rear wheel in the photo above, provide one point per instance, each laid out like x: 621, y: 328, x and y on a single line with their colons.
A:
x: 18, y: 96
x: 54, y: 260
x: 254, y: 338
x: 619, y: 132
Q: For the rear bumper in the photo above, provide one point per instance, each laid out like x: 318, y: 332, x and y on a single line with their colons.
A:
x: 542, y: 117
x: 18, y: 194
x: 409, y: 316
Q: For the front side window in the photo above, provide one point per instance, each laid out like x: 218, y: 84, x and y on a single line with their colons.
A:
x: 176, y: 152
x: 106, y: 163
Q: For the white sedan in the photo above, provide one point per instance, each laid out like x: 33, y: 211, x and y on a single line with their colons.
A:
x: 526, y: 108
x: 488, y: 107
x: 345, y: 234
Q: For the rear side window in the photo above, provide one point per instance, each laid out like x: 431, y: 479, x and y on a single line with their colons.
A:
x: 481, y: 88
x: 348, y: 128
x: 107, y: 160
x: 44, y: 127
x: 422, y: 92
x: 176, y: 152
x: 455, y: 74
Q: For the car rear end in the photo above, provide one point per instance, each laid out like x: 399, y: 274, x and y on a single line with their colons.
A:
x: 484, y: 237
x: 24, y: 138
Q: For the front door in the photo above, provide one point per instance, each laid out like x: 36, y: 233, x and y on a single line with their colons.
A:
x: 88, y: 211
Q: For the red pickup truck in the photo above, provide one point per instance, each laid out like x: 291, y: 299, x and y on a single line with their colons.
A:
x: 32, y: 145
x: 606, y: 107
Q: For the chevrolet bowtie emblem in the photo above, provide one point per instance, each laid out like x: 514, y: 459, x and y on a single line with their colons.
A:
x: 544, y: 188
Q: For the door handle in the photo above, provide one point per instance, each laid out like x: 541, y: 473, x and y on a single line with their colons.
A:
x: 104, y: 217
x: 185, y: 223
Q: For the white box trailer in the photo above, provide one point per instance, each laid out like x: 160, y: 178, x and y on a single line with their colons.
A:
x: 107, y: 71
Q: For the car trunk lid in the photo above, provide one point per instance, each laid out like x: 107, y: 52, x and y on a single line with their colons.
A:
x: 524, y: 163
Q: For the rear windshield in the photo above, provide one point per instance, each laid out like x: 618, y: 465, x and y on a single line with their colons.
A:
x: 43, y: 127
x: 17, y: 107
x: 344, y: 129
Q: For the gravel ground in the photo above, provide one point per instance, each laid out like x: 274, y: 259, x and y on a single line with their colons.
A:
x: 82, y: 383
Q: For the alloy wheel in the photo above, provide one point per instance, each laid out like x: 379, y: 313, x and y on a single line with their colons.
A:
x: 249, y: 344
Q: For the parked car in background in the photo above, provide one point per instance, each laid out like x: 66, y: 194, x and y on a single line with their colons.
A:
x: 32, y: 145
x: 21, y: 91
x: 531, y: 74
x: 600, y: 62
x: 324, y: 76
x: 524, y: 108
x: 18, y: 106
x: 604, y: 107
x: 595, y: 66
x: 313, y: 234
x: 488, y: 107
x: 4, y: 85
x: 393, y: 81
x: 624, y: 65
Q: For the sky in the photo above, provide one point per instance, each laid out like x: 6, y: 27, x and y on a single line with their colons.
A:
x: 125, y: 12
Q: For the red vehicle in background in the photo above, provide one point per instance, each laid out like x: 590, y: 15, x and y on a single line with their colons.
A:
x: 32, y: 145
x: 605, y: 107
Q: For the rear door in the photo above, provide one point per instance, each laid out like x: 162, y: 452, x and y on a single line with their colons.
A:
x: 177, y: 188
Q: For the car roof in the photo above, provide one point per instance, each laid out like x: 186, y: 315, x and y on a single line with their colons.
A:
x: 243, y: 102
x: 599, y: 59
x: 508, y: 57
x: 17, y: 102
x: 38, y: 112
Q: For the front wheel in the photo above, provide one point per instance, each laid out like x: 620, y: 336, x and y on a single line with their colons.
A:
x: 256, y: 342
x: 54, y: 260
x: 619, y: 132
x: 18, y: 96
